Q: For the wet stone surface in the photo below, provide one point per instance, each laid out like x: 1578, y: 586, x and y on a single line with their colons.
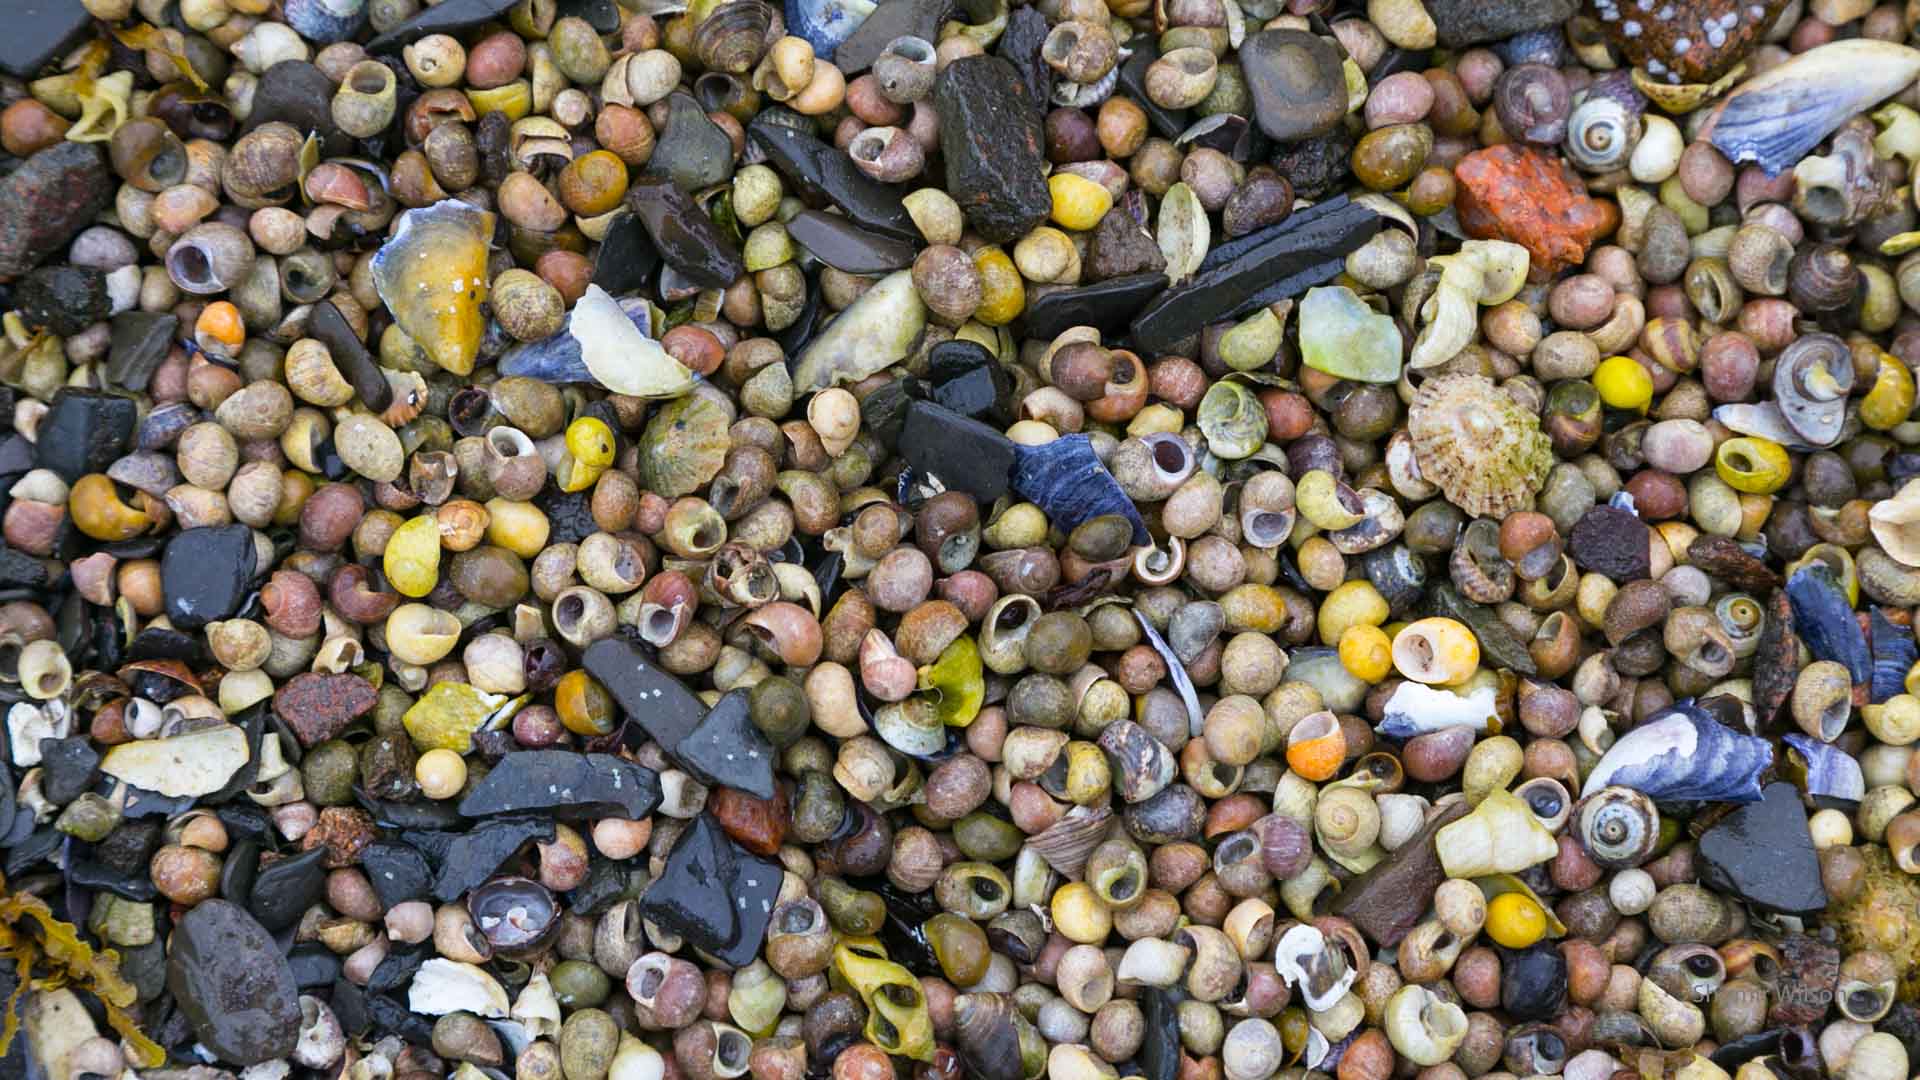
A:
x: 43, y: 203
x: 284, y: 888
x: 714, y: 893
x: 990, y: 135
x: 1299, y: 90
x: 83, y: 432
x: 140, y: 342
x: 473, y: 857
x: 965, y: 454
x: 724, y: 748
x: 1470, y: 22
x: 233, y: 984
x: 206, y: 573
x: 1763, y: 853
x: 565, y: 783
x: 63, y: 299
x: 319, y: 706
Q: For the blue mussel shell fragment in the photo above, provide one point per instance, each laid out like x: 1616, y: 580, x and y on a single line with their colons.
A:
x: 825, y: 23
x: 1066, y: 480
x: 1825, y: 621
x: 1894, y: 653
x: 1832, y: 773
x: 557, y: 359
x: 1682, y: 754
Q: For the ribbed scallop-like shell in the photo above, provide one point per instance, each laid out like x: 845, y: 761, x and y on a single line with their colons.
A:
x: 1485, y: 452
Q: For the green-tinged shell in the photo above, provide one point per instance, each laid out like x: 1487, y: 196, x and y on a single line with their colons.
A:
x: 874, y: 331
x: 684, y: 446
x: 912, y: 727
x: 1471, y: 438
x: 897, y: 1017
x: 1184, y: 232
x: 1884, y: 915
x: 958, y: 682
x: 412, y: 558
x: 1342, y: 336
x: 621, y: 357
x: 446, y: 716
x: 1233, y: 421
x: 432, y: 274
x: 1252, y: 343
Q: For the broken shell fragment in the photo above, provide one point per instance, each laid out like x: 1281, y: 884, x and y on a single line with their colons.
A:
x: 875, y: 331
x: 432, y: 274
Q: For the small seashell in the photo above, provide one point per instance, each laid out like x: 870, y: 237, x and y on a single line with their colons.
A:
x: 684, y: 446
x: 1681, y: 753
x: 443, y: 986
x: 605, y: 342
x: 1183, y: 232
x: 1314, y: 967
x: 1478, y: 444
x: 1617, y: 827
x: 1500, y: 836
x: 1895, y: 523
x: 1416, y: 709
x: 432, y: 274
x: 1196, y: 721
x: 1831, y: 773
x: 1066, y: 843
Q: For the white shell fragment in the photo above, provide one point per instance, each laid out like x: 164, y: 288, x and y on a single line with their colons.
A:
x: 1416, y: 709
x: 194, y: 764
x: 27, y: 724
x: 621, y: 358
x: 1313, y: 967
x: 442, y: 986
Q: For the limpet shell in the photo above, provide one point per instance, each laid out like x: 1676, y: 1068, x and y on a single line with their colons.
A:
x: 432, y: 274
x: 684, y: 446
x: 1485, y: 452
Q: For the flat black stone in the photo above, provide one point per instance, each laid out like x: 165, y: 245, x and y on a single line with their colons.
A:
x: 230, y: 979
x: 714, y: 893
x: 1469, y: 22
x: 37, y: 32
x: 139, y: 344
x: 991, y: 138
x: 205, y: 574
x: 284, y: 889
x: 68, y: 767
x: 1275, y: 263
x: 655, y: 700
x: 1166, y: 123
x: 63, y: 299
x: 313, y: 965
x: 449, y: 17
x: 397, y: 968
x: 565, y: 783
x: 1109, y: 305
x: 472, y: 857
x: 84, y: 432
x: 1763, y: 853
x: 298, y: 93
x: 1020, y: 46
x: 841, y: 244
x: 130, y: 845
x: 965, y: 454
x: 823, y: 173
x: 1288, y: 106
x: 626, y: 257
x: 971, y: 381
x: 892, y: 19
x: 692, y: 152
x: 326, y: 325
x: 725, y: 749
x: 92, y: 874
x: 397, y: 870
x: 1159, y: 1054
x: 687, y: 239
x: 238, y: 870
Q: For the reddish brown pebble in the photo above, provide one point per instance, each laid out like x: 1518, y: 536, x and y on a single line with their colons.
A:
x: 1531, y: 198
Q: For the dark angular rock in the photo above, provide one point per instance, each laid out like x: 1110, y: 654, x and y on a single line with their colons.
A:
x: 330, y: 328
x: 205, y: 573
x: 1252, y: 271
x: 1315, y: 167
x: 991, y: 138
x: 847, y: 247
x: 472, y: 857
x: 1533, y: 982
x: 87, y: 873
x: 892, y: 19
x: 397, y: 968
x: 1297, y: 81
x: 1167, y: 123
x: 685, y: 236
x: 449, y: 17
x: 284, y: 889
x: 565, y: 783
x: 1611, y: 541
x: 1469, y: 22
x: 19, y: 570
x: 58, y: 192
x: 37, y: 32
x: 397, y: 871
x: 1159, y: 1054
x: 1122, y: 246
x: 692, y: 152
x: 1724, y: 558
x: 884, y: 412
x: 1763, y: 853
x: 230, y: 980
x: 298, y: 93
x: 63, y: 299
x: 725, y: 749
x: 649, y: 696
x: 139, y: 343
x: 130, y: 845
x: 238, y: 870
x: 1020, y: 46
x: 318, y: 706
x: 68, y: 767
x: 85, y: 431
x: 713, y: 893
x: 971, y: 381
x: 626, y: 258
x: 821, y: 172
x: 313, y: 965
x: 1376, y: 901
x: 965, y: 454
x: 1108, y: 305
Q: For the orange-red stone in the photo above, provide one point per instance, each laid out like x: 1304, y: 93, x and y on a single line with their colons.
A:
x: 1531, y: 198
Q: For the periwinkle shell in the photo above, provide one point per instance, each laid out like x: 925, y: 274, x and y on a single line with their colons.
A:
x: 1682, y: 754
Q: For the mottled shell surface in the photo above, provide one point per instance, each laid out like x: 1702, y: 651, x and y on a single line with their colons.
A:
x: 684, y: 446
x: 433, y: 276
x: 1486, y: 452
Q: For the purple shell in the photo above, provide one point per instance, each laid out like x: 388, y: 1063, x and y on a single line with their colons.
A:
x: 1065, y: 479
x: 1832, y: 773
x: 1681, y: 754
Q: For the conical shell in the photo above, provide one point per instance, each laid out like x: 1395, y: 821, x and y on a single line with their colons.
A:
x: 1486, y: 452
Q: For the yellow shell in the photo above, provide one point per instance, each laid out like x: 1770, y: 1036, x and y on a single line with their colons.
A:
x: 432, y: 274
x: 1485, y: 452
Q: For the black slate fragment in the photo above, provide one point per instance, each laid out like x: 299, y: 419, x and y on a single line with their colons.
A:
x: 231, y: 980
x: 1159, y: 1054
x: 847, y: 247
x: 330, y: 328
x: 397, y: 871
x: 1469, y: 22
x: 969, y: 380
x: 1020, y: 46
x: 63, y: 299
x: 139, y: 342
x: 649, y: 696
x: 19, y: 570
x: 205, y: 573
x: 991, y: 138
x: 892, y: 19
x: 284, y: 889
x: 687, y: 239
x: 449, y: 17
x: 67, y: 768
x: 1763, y: 853
x: 691, y: 151
x: 298, y: 93
x: 713, y: 893
x: 725, y: 749
x: 84, y: 432
x: 37, y: 32
x: 1108, y: 305
x: 472, y: 857
x: 314, y: 966
x: 58, y: 192
x: 565, y: 783
x: 626, y: 257
x: 822, y: 173
x: 965, y: 454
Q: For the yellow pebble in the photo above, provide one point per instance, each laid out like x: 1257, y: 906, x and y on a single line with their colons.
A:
x: 441, y: 773
x: 1623, y: 383
x: 1366, y: 653
x: 1003, y: 296
x: 1078, y: 203
x: 1080, y: 915
x: 1352, y: 603
x: 1515, y: 920
x: 412, y: 557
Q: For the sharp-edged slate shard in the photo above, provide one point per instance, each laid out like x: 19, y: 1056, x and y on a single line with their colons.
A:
x: 991, y: 138
x: 1108, y: 305
x: 821, y: 172
x: 1763, y: 853
x: 448, y: 17
x: 650, y: 697
x: 1284, y: 260
x: 84, y: 432
x: 692, y: 152
x: 472, y: 857
x: 892, y: 19
x: 284, y: 889
x: 140, y: 341
x: 397, y: 870
x: 965, y: 455
x: 715, y: 894
x: 725, y: 749
x: 205, y: 573
x: 37, y: 31
x: 1159, y: 1054
x: 627, y: 257
x: 565, y: 783
x: 327, y: 326
x: 847, y: 247
x: 683, y: 234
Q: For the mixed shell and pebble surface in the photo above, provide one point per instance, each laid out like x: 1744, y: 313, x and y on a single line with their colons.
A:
x: 959, y: 539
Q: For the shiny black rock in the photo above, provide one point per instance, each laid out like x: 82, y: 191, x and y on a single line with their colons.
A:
x: 649, y: 696
x: 687, y: 239
x: 63, y: 299
x: 725, y: 749
x: 284, y: 889
x: 713, y: 893
x: 232, y: 983
x: 566, y: 784
x: 205, y: 574
x: 1763, y: 853
x: 965, y: 454
x: 85, y: 431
